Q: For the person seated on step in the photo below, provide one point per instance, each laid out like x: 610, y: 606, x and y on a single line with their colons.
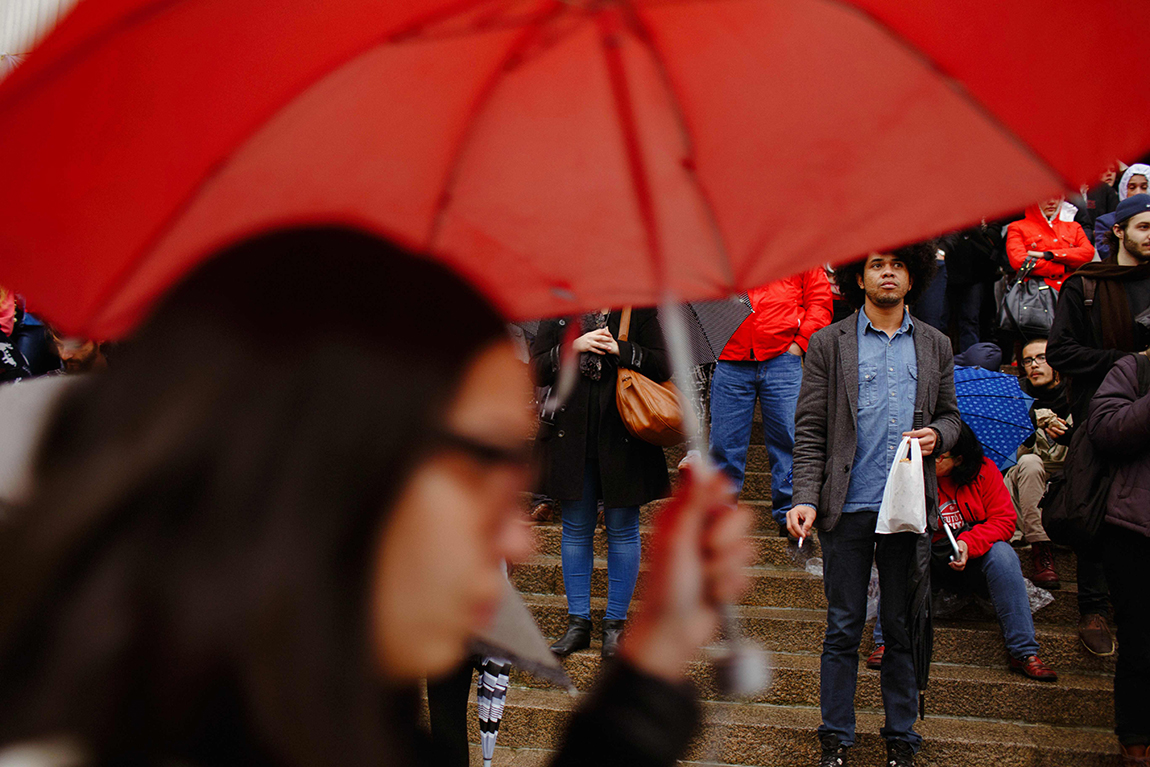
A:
x: 974, y: 502
x: 1041, y: 456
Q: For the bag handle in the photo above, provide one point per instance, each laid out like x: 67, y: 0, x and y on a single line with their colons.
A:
x: 625, y: 323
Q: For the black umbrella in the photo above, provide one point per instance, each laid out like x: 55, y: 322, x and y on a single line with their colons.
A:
x: 710, y: 324
x: 919, y: 619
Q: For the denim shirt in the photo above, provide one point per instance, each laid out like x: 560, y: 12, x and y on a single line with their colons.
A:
x: 888, y: 384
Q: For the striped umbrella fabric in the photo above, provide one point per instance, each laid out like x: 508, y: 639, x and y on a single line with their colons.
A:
x: 710, y: 324
x: 491, y: 696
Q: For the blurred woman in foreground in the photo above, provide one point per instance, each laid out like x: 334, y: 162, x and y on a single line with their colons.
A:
x: 286, y: 505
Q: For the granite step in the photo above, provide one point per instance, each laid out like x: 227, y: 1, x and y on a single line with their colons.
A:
x: 770, y: 549
x: 784, y: 736
x: 1076, y: 699
x: 762, y: 522
x: 799, y: 630
x: 771, y: 586
x: 757, y: 459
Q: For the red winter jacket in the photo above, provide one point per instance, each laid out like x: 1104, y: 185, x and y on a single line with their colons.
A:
x: 1064, y: 240
x: 985, y: 503
x: 785, y: 311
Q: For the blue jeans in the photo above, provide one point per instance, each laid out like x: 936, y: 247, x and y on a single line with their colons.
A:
x: 734, y: 389
x: 998, y: 575
x: 578, y: 558
x: 932, y: 306
x: 848, y: 551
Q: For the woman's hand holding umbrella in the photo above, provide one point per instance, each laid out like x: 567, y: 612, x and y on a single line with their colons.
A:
x: 698, y: 556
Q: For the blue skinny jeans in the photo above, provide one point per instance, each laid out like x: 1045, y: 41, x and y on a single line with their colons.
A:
x: 579, y: 519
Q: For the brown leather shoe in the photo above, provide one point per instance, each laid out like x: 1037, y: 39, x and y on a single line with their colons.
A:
x: 1096, y: 635
x: 543, y: 511
x: 875, y: 660
x: 1042, y: 555
x: 1034, y: 668
x: 1135, y: 756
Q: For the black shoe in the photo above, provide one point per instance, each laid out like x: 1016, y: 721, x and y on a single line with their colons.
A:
x: 834, y: 752
x: 578, y: 636
x: 899, y: 754
x: 611, y: 631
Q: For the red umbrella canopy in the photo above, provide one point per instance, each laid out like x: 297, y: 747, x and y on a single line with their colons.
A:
x: 565, y: 155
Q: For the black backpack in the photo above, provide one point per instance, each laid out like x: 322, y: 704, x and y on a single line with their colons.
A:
x: 1074, y: 504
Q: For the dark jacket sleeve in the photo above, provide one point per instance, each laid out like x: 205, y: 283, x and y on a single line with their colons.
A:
x: 545, y: 352
x: 630, y: 720
x: 946, y: 416
x: 1119, y: 421
x: 645, y: 350
x: 810, y: 452
x: 1071, y: 349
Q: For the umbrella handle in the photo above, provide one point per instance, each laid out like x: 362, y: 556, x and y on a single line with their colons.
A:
x: 743, y: 666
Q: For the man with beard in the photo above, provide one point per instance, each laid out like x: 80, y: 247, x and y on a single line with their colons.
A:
x: 1102, y: 316
x: 870, y: 380
x: 1040, y: 457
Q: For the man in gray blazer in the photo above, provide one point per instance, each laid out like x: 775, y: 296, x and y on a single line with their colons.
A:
x: 868, y: 381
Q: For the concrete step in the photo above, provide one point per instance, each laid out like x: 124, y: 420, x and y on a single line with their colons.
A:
x: 784, y: 736
x: 770, y: 586
x: 769, y: 549
x: 761, y: 512
x: 756, y: 485
x: 798, y: 630
x: 757, y: 459
x: 955, y: 690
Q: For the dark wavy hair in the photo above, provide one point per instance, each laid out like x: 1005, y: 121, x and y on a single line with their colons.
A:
x: 191, y: 583
x: 969, y: 449
x: 920, y: 263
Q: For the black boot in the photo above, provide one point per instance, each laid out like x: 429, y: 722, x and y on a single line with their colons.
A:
x: 611, y: 631
x: 578, y: 636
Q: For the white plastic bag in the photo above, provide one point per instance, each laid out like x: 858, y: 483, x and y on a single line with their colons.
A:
x: 903, y: 507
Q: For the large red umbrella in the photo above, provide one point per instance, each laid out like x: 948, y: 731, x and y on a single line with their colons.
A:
x: 566, y: 155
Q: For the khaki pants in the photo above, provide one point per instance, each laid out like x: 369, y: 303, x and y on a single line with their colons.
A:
x: 1026, y: 481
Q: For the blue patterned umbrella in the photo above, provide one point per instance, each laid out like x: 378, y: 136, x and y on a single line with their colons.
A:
x: 997, y: 410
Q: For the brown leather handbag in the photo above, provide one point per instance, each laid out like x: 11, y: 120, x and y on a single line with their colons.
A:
x: 649, y: 410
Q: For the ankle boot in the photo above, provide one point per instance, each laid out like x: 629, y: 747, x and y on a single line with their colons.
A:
x: 611, y: 631
x: 578, y: 636
x: 1042, y: 554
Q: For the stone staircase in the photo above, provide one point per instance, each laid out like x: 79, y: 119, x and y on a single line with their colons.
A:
x: 977, y: 712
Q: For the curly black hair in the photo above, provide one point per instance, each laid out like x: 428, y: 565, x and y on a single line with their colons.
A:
x: 919, y: 260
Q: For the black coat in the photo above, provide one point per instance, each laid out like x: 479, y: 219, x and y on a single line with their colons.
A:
x: 632, y: 471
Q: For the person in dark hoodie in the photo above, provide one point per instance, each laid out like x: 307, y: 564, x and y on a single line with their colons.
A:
x: 1119, y: 425
x: 1094, y: 326
x: 1040, y: 457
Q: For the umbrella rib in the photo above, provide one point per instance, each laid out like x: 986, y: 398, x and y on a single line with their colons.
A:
x: 630, y: 136
x: 509, y: 61
x: 161, y: 231
x: 959, y: 90
x: 643, y: 34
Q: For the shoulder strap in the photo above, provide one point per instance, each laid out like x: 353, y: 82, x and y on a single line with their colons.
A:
x: 625, y: 323
x: 1089, y: 285
x: 1143, y: 374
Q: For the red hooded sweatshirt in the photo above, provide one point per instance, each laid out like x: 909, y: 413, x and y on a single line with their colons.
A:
x: 1064, y: 240
x: 985, y: 503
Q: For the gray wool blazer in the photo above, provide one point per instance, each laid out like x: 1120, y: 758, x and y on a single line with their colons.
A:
x: 827, y: 415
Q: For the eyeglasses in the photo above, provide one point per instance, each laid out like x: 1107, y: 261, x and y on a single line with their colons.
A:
x: 1037, y: 359
x: 519, y: 457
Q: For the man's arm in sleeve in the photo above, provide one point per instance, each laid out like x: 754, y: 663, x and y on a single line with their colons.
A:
x: 946, y: 416
x: 810, y: 453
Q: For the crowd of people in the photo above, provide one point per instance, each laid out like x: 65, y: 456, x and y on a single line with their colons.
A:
x: 843, y: 369
x: 843, y: 363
